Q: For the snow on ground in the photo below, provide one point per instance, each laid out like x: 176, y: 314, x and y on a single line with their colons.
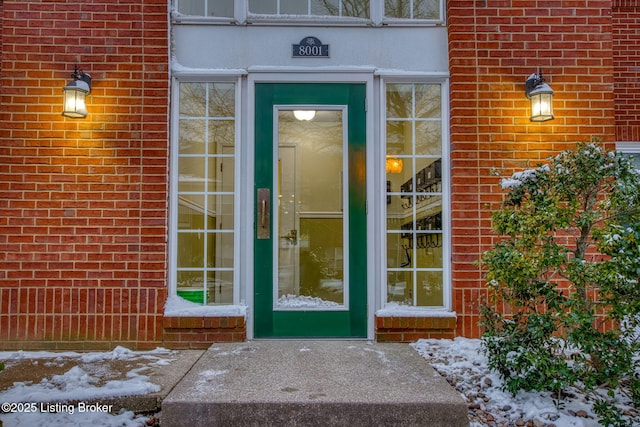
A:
x: 464, y: 366
x: 77, y: 419
x: 29, y: 404
x: 459, y: 360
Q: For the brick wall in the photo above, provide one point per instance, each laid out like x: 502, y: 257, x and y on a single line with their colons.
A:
x: 83, y: 202
x: 494, y: 45
x: 626, y: 63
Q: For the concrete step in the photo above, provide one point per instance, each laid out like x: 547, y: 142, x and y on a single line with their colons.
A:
x: 312, y: 383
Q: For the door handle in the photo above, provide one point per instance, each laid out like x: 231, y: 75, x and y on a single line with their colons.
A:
x: 292, y: 237
x: 263, y: 230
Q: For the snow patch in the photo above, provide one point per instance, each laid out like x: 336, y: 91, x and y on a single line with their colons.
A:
x: 178, y: 307
x: 302, y: 301
x: 393, y: 309
x: 210, y: 380
x: 78, y: 384
x: 77, y: 419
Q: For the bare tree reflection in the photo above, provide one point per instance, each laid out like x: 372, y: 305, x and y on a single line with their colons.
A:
x: 355, y: 8
x: 412, y: 9
x: 206, y: 117
x: 409, y: 101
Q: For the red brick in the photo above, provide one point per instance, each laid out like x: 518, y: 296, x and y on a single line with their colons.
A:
x: 27, y: 124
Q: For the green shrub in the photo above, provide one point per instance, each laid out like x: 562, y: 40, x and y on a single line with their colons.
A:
x: 568, y: 273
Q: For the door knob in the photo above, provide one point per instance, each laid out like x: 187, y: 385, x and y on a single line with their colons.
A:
x: 291, y: 237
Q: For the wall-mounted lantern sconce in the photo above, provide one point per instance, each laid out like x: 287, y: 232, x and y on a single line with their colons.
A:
x: 541, y: 97
x: 75, y: 93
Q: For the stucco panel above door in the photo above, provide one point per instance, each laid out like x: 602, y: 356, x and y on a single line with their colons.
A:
x: 417, y: 49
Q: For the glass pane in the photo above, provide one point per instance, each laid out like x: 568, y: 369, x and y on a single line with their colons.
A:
x: 429, y: 250
x: 325, y: 7
x: 191, y: 7
x: 191, y: 137
x: 221, y: 136
x: 192, y: 99
x: 190, y: 250
x: 428, y: 137
x: 399, y: 250
x: 399, y: 178
x: 429, y: 288
x: 408, y: 183
x: 428, y: 101
x: 223, y: 8
x: 422, y: 9
x: 294, y: 7
x: 219, y: 250
x: 356, y: 8
x: 222, y: 100
x: 397, y: 8
x: 310, y: 191
x: 397, y: 212
x: 219, y: 287
x: 426, y: 9
x: 429, y: 219
x: 263, y: 6
x: 191, y: 213
x: 221, y: 212
x: 191, y: 174
x: 399, y: 137
x: 399, y: 101
x: 400, y: 287
x: 429, y: 176
x: 220, y: 174
x: 191, y: 286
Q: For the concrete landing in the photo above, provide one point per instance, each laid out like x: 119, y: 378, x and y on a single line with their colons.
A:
x: 312, y: 383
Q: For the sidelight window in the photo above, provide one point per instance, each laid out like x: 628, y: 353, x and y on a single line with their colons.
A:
x: 414, y: 201
x: 204, y: 237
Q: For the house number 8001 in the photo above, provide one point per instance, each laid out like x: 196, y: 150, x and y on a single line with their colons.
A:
x: 309, y: 51
x: 310, y: 47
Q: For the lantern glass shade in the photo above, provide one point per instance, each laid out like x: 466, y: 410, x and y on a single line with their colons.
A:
x: 393, y: 165
x: 541, y: 98
x: 75, y: 94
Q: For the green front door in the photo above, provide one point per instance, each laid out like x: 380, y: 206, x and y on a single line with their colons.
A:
x: 310, y: 216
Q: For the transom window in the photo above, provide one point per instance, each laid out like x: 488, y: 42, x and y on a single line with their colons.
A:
x: 415, y: 240
x: 387, y: 11
x: 353, y: 8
